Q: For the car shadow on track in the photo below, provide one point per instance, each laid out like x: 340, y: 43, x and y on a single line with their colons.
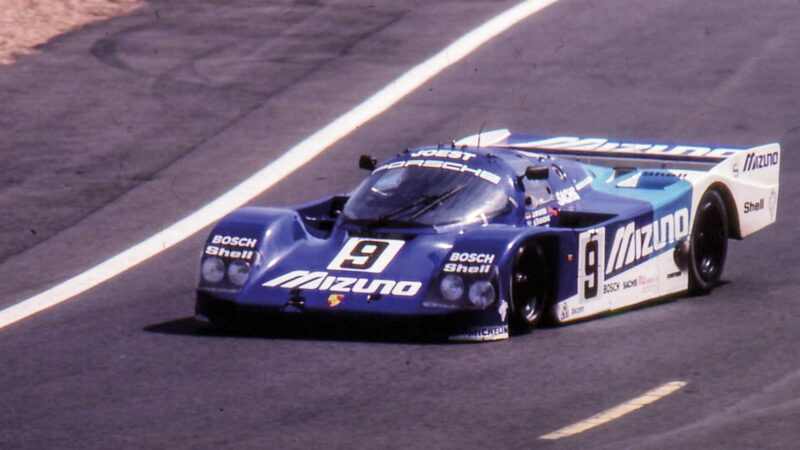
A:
x: 380, y: 333
x: 359, y: 331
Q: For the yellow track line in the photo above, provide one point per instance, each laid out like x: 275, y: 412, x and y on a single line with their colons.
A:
x: 615, y: 412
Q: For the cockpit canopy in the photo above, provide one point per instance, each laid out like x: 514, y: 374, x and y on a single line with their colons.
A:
x: 401, y: 194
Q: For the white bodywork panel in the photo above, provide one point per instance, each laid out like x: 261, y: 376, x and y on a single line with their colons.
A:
x: 750, y: 175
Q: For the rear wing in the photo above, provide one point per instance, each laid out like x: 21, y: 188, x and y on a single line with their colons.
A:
x: 751, y: 174
x: 605, y: 152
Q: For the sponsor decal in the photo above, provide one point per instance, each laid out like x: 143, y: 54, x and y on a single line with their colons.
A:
x: 615, y: 286
x: 632, y: 243
x: 644, y: 280
x: 611, y: 287
x: 564, y: 315
x: 366, y: 255
x: 480, y: 258
x: 335, y: 300
x: 773, y: 204
x: 754, y: 161
x: 503, y: 310
x: 578, y: 310
x: 567, y: 196
x: 538, y: 217
x: 475, y: 263
x: 233, y: 247
x: 467, y: 268
x: 753, y: 206
x: 487, y: 333
x: 735, y: 169
x: 444, y: 165
x: 222, y: 252
x: 680, y: 175
x: 323, y: 281
x: 234, y: 241
x: 439, y: 153
x: 604, y: 145
x: 628, y: 284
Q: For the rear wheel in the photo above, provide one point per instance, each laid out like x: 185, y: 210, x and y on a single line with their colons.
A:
x: 709, y: 243
x: 529, y: 288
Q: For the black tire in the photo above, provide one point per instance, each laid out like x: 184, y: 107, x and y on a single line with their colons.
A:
x: 530, y: 289
x: 708, y: 246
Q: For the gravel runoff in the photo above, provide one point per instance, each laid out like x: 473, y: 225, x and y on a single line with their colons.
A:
x: 25, y: 24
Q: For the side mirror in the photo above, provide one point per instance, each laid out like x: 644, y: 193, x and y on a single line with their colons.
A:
x: 367, y: 162
x: 537, y: 172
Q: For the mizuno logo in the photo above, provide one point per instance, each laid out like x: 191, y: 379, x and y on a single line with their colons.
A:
x: 321, y: 281
x: 754, y: 162
x: 632, y: 244
x: 604, y: 145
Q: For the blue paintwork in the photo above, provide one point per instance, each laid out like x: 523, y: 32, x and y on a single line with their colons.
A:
x: 291, y: 239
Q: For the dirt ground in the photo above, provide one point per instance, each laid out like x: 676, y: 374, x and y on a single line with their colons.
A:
x: 24, y: 24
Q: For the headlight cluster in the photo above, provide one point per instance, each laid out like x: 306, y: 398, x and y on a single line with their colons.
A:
x: 213, y: 271
x: 480, y: 294
x: 452, y: 287
x: 238, y: 271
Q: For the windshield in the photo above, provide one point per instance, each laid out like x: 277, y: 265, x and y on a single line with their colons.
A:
x: 424, y: 196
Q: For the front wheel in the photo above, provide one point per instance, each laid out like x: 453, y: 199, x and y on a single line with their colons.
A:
x: 709, y: 243
x: 529, y: 288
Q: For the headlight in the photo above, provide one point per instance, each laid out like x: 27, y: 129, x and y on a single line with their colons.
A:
x: 452, y: 287
x: 481, y: 294
x: 238, y: 272
x: 213, y: 270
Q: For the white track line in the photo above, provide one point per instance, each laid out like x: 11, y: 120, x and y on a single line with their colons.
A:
x: 262, y: 180
x: 615, y: 412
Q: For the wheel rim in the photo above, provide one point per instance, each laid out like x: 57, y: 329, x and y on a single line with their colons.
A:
x: 709, y: 242
x: 529, y: 306
x: 529, y: 288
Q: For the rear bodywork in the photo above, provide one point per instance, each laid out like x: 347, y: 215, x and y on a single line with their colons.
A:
x: 613, y: 219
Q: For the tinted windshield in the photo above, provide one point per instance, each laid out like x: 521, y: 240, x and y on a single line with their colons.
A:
x: 425, y: 196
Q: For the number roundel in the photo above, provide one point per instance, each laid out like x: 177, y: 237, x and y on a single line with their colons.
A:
x: 590, y: 270
x: 591, y: 273
x: 366, y: 255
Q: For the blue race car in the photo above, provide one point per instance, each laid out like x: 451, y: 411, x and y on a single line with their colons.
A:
x: 494, y: 232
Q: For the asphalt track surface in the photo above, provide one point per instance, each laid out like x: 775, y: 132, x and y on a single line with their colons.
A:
x: 117, y: 130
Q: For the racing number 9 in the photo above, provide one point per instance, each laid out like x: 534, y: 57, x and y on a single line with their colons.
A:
x: 364, y: 255
x: 590, y: 268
